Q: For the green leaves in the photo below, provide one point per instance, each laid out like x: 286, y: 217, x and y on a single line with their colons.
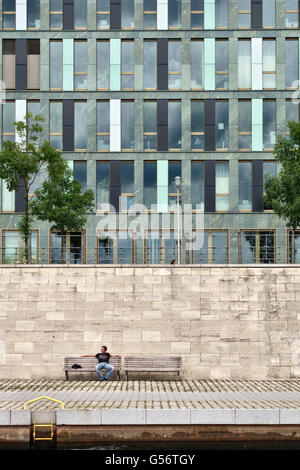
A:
x: 61, y: 202
x: 283, y: 192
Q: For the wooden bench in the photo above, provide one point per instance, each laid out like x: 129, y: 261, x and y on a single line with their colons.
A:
x: 88, y: 364
x: 152, y: 364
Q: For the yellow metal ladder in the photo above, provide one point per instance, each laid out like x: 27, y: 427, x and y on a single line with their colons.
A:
x: 50, y: 425
x: 35, y: 426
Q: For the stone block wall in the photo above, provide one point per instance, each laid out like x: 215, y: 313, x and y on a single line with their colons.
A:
x: 225, y: 321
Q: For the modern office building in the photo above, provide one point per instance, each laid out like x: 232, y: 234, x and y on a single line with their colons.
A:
x: 135, y: 93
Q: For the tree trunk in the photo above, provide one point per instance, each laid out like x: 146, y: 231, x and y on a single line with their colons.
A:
x: 293, y: 245
x: 26, y: 223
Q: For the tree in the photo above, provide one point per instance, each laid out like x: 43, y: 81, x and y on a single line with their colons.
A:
x: 61, y: 202
x: 283, y: 191
x: 23, y: 160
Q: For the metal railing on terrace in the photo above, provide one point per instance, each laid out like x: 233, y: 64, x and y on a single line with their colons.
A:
x: 214, y: 247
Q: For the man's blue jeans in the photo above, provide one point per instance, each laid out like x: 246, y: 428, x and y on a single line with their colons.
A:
x: 108, y: 367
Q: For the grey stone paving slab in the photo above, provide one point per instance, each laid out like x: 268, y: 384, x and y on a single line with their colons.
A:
x: 4, y: 418
x: 289, y: 416
x: 204, y: 416
x: 78, y: 417
x: 168, y: 416
x: 119, y: 416
x: 257, y: 416
x: 20, y: 417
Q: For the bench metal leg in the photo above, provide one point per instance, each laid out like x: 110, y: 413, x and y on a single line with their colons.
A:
x: 118, y: 375
x: 67, y: 375
x: 126, y: 375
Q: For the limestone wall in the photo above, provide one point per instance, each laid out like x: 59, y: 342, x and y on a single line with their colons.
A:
x: 225, y: 321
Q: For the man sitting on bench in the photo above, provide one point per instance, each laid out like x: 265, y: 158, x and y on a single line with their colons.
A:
x: 103, y: 358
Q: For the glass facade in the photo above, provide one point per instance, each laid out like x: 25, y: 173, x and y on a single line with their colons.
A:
x: 134, y: 97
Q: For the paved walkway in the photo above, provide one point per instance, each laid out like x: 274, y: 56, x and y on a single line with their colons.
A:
x: 192, y: 394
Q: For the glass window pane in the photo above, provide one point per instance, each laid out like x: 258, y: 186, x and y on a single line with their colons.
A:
x: 222, y: 56
x: 245, y: 124
x: 197, y: 20
x: 174, y: 169
x: 127, y: 177
x: 103, y: 5
x: 245, y: 186
x: 9, y: 21
x: 269, y: 64
x: 257, y: 247
x: 245, y: 20
x: 127, y: 56
x: 150, y: 184
x: 80, y: 125
x: 56, y: 5
x: 197, y: 185
x: 9, y: 5
x: 222, y: 186
x: 127, y: 14
x: 103, y: 64
x: 128, y: 64
x: 269, y: 124
x: 102, y: 183
x: 268, y: 13
x: 174, y: 13
x: 56, y: 21
x: 174, y: 124
x: 80, y: 14
x: 56, y: 124
x: 33, y: 14
x: 291, y: 63
x: 124, y: 248
x: 197, y: 64
x: 33, y: 107
x: 75, y: 255
x: 222, y: 64
x: 150, y: 124
x: 174, y: 64
x: 222, y: 125
x: 80, y: 64
x: 103, y: 125
x: 127, y: 125
x: 150, y: 64
x: 197, y: 124
x: 244, y: 64
x: 105, y: 250
x: 150, y: 21
x: 171, y: 247
x: 219, y: 247
x: 8, y: 116
x: 221, y: 13
x: 297, y: 247
x: 269, y: 169
x: 150, y: 5
x: 80, y: 174
x: 56, y: 64
x: 291, y: 112
x: 12, y: 251
x: 153, y: 251
x: 103, y: 16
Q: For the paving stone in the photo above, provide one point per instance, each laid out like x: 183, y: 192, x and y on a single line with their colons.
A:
x: 78, y: 417
x: 121, y: 416
x: 20, y: 417
x: 288, y: 416
x: 222, y: 416
x: 257, y: 416
x: 168, y: 416
x: 4, y: 418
